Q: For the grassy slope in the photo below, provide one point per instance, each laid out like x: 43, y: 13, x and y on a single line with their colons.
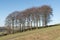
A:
x: 50, y: 33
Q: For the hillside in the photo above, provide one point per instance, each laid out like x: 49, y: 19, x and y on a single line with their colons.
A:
x: 49, y: 33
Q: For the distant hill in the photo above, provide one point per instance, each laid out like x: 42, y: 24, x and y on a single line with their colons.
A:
x: 2, y: 29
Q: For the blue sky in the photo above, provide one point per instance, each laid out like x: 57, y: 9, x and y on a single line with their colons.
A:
x: 8, y: 6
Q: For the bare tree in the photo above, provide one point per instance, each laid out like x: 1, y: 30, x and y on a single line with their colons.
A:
x: 46, y: 14
x: 25, y: 19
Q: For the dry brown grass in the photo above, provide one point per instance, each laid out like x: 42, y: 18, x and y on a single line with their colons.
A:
x: 50, y: 33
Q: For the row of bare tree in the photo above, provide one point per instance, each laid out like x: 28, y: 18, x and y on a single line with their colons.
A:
x: 29, y: 18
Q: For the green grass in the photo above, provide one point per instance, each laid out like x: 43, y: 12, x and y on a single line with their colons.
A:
x: 49, y: 33
x: 1, y: 33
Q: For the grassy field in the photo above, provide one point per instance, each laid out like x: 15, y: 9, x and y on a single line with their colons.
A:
x: 49, y: 33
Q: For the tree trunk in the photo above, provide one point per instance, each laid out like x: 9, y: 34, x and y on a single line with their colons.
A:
x: 31, y: 25
x: 13, y: 26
